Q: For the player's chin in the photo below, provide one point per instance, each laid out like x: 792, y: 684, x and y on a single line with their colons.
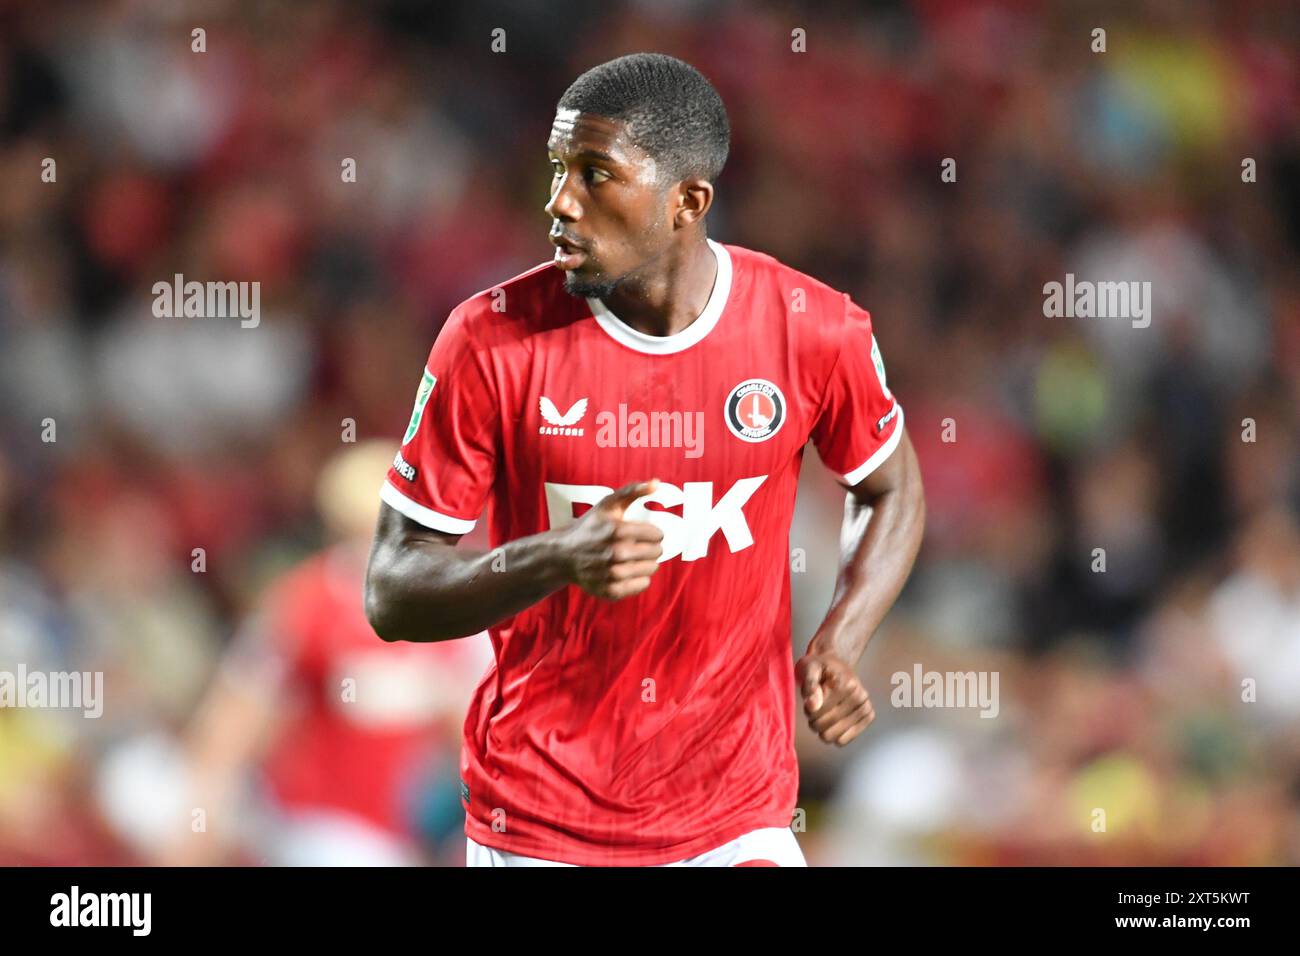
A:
x: 586, y: 283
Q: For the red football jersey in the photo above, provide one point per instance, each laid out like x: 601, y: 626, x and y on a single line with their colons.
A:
x: 650, y: 729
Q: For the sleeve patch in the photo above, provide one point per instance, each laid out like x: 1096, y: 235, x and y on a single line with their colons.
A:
x: 421, y: 399
x: 880, y: 371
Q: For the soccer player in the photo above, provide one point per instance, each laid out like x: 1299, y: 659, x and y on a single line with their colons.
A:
x: 633, y: 414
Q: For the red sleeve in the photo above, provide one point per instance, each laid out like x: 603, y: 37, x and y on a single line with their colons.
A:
x: 861, y: 422
x: 447, y: 462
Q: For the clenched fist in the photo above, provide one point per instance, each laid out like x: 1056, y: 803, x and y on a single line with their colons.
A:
x: 609, y: 557
x: 834, y: 700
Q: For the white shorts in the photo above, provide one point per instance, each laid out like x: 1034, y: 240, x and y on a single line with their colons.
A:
x: 770, y: 846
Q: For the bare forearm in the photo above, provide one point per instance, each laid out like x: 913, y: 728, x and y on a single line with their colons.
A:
x: 419, y: 587
x: 883, y: 537
x: 432, y: 591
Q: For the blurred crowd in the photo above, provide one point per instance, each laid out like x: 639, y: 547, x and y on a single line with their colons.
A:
x: 1113, y: 510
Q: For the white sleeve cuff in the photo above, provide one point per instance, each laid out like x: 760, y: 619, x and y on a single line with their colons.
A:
x: 881, y: 453
x: 425, y: 516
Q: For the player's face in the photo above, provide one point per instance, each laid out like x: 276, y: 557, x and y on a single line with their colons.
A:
x: 609, y: 214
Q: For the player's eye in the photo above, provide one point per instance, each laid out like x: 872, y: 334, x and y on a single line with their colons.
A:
x: 597, y: 175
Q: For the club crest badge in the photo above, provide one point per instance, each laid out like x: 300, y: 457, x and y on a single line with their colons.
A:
x: 755, y: 410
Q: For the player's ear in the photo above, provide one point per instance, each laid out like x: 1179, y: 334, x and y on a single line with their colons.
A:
x: 693, y: 199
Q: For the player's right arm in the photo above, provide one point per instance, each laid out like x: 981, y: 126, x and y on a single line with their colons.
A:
x: 419, y: 585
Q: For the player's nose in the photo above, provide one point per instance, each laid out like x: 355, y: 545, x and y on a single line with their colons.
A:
x: 563, y: 205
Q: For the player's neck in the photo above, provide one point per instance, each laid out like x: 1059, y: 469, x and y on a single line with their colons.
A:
x: 670, y: 299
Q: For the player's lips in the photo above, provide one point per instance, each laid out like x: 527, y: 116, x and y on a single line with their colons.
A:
x: 568, y: 255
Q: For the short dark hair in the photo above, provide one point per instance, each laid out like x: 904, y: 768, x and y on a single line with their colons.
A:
x: 670, y: 109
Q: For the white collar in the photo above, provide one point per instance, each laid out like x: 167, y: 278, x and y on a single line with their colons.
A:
x: 620, y: 331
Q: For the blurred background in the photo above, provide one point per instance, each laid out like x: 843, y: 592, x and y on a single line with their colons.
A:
x: 1164, y: 690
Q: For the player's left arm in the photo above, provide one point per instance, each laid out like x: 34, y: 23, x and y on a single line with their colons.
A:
x: 860, y: 434
x: 884, y: 518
